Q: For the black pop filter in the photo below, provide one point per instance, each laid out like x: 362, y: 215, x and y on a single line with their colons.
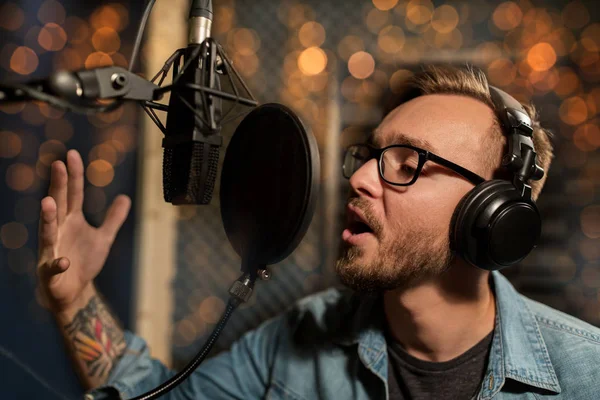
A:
x: 269, y: 185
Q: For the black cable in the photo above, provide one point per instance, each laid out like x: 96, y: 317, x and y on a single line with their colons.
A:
x: 140, y: 34
x: 177, y: 379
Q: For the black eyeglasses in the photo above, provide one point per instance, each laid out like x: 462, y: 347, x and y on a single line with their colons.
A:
x: 399, y: 164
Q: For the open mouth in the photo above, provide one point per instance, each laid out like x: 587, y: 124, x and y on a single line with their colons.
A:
x: 356, y: 224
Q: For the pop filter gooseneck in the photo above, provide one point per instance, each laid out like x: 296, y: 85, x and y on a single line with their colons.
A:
x: 269, y: 185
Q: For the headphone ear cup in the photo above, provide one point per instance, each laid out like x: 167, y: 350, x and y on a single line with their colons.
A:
x: 494, y: 226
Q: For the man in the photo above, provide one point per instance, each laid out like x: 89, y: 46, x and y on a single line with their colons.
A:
x: 422, y: 322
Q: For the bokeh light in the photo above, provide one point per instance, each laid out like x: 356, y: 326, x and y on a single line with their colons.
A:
x: 385, y: 5
x: 541, y: 57
x: 51, y: 11
x: 11, y: 16
x: 100, y: 173
x: 391, y: 39
x: 106, y: 40
x: 361, y: 65
x: 312, y: 61
x: 13, y: 235
x: 507, y: 16
x: 349, y: 45
x: 52, y: 37
x: 590, y: 221
x: 52, y: 150
x: 98, y: 59
x: 78, y: 31
x: 573, y: 111
x: 20, y: 177
x: 10, y: 144
x: 24, y: 61
x: 444, y: 19
x: 312, y: 34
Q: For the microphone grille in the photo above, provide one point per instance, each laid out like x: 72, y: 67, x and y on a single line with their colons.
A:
x: 167, y: 174
x: 201, y: 190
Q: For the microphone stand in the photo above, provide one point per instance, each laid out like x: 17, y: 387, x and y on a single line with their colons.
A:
x: 79, y: 92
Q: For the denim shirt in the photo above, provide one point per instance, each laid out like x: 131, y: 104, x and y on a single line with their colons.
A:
x: 331, y: 346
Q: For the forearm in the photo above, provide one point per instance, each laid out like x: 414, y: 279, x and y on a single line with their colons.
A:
x: 93, y: 337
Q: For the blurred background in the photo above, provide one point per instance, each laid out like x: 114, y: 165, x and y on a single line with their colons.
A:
x: 334, y: 62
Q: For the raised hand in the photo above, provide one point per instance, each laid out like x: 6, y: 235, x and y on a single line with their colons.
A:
x: 71, y: 251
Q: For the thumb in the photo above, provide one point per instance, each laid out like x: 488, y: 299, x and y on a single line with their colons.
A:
x: 54, y: 268
x: 115, y: 216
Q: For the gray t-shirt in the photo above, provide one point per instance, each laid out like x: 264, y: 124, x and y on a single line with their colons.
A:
x: 458, y: 379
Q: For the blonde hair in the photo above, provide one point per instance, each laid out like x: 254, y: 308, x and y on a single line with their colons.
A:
x: 472, y: 82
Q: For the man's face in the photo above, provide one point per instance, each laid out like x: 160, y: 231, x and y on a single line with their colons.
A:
x: 408, y: 236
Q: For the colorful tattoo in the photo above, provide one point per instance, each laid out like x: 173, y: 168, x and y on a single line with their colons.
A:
x: 96, y: 337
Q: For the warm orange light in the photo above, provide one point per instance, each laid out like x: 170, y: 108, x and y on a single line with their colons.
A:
x: 312, y: 34
x: 361, y: 65
x: 246, y: 41
x: 377, y: 19
x: 590, y: 221
x: 224, y: 19
x: 507, y: 16
x: 13, y: 235
x: 100, y: 173
x: 98, y: 59
x: 385, y: 5
x: 391, y: 39
x: 419, y: 12
x: 106, y: 40
x: 51, y: 11
x: 19, y: 177
x: 502, y: 72
x: 312, y: 61
x: 541, y: 57
x: 125, y: 135
x: 51, y: 151
x: 573, y: 111
x: 569, y: 82
x: 78, y: 31
x: 444, y: 19
x: 109, y: 17
x: 10, y: 144
x: 349, y: 45
x: 24, y: 61
x: 52, y: 37
x: 11, y: 16
x: 587, y: 137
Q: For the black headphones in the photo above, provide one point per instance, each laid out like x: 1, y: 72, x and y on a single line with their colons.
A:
x: 497, y: 223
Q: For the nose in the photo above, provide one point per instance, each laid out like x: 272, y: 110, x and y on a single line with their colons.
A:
x: 366, y: 182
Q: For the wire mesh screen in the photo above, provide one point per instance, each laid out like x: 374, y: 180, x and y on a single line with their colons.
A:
x: 304, y: 54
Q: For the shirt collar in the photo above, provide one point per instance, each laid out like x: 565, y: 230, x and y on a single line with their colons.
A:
x: 518, y: 350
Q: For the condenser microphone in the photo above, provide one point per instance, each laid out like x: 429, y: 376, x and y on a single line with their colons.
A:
x: 192, y: 139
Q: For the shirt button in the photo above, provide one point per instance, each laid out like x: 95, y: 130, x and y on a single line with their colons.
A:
x: 89, y: 397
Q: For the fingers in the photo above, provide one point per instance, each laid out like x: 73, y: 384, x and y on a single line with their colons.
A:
x: 75, y: 185
x: 48, y: 229
x: 115, y: 216
x: 58, y: 188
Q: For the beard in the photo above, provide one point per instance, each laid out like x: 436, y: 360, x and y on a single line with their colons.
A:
x: 401, y: 261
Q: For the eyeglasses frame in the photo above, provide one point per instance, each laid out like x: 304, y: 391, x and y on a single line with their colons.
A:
x: 424, y: 156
